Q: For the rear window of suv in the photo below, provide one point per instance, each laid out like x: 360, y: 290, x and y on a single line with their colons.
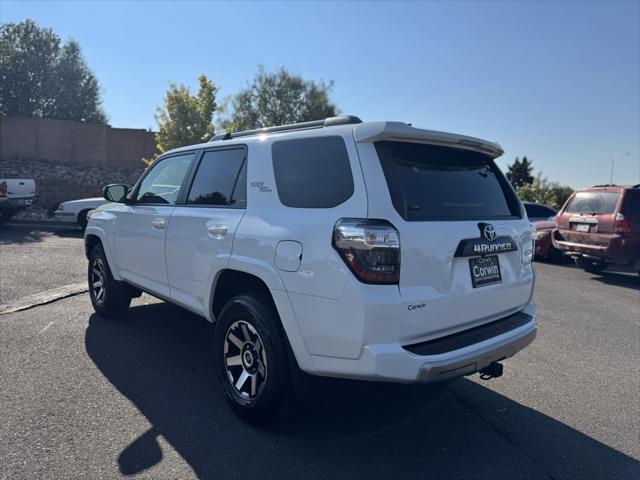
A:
x: 593, y: 202
x: 429, y: 182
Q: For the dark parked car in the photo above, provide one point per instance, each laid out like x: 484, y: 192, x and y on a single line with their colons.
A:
x: 537, y: 211
x: 600, y: 226
x: 544, y: 247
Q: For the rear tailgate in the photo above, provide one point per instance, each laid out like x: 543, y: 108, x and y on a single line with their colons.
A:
x: 457, y: 217
x: 589, y: 217
x: 20, y: 188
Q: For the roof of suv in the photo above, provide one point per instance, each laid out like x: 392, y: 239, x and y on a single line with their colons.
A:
x: 364, y: 132
x: 607, y: 188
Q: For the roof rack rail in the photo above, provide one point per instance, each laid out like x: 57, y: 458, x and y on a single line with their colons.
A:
x: 327, y: 122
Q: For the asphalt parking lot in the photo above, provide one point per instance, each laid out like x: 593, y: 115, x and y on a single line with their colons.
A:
x: 85, y: 397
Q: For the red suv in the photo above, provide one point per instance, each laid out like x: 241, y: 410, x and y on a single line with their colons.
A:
x: 600, y: 226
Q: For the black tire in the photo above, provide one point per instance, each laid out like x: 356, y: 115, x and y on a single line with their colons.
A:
x: 591, y: 266
x: 6, y: 216
x: 82, y: 219
x: 262, y: 358
x: 554, y: 255
x: 114, y: 298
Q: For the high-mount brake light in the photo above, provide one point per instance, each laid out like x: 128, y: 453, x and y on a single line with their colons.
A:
x: 370, y: 248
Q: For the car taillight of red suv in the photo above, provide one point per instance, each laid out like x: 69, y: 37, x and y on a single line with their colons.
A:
x: 622, y: 225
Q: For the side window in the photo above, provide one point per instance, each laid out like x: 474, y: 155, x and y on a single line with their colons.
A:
x: 537, y: 211
x: 219, y: 180
x: 312, y: 172
x: 162, y: 184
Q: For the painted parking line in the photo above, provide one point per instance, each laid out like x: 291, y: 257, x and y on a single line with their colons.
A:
x: 43, y: 298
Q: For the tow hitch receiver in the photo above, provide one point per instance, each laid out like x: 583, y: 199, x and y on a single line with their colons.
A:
x: 494, y: 370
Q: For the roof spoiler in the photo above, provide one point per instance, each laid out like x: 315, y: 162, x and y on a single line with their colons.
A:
x: 375, y: 131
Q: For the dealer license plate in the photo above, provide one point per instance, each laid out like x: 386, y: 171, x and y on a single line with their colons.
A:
x: 485, y: 271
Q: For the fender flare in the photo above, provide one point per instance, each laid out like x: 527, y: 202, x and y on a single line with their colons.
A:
x: 271, y: 278
x: 96, y: 231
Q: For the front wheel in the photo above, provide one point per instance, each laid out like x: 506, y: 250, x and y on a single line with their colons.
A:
x: 83, y: 220
x: 252, y: 359
x: 6, y: 216
x: 109, y: 297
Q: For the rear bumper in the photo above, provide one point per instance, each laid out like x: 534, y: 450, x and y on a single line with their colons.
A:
x: 15, y: 203
x: 395, y: 363
x: 614, y: 248
x: 67, y: 217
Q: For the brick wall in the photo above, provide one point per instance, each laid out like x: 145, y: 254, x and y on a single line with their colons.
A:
x: 74, y: 142
x: 71, y: 160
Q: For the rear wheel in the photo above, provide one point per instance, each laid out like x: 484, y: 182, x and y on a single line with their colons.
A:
x: 109, y: 297
x: 252, y: 357
x: 591, y: 266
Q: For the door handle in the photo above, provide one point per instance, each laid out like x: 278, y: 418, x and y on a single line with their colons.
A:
x: 217, y: 232
x: 159, y: 223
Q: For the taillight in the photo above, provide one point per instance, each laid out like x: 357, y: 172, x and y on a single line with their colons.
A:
x: 3, y: 189
x: 557, y: 219
x: 370, y: 248
x: 621, y: 224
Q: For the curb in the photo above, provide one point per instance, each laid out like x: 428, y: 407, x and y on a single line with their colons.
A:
x: 42, y: 298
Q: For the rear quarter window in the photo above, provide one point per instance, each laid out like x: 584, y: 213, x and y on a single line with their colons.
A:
x: 312, y: 172
x: 429, y: 182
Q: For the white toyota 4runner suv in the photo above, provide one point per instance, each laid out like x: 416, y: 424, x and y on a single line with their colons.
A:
x: 373, y: 251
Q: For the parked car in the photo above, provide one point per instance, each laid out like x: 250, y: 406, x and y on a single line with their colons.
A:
x: 544, y: 248
x: 373, y: 251
x: 538, y: 211
x: 75, y: 211
x: 600, y: 226
x: 15, y: 194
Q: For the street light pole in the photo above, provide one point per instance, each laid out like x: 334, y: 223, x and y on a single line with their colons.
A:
x: 612, y: 164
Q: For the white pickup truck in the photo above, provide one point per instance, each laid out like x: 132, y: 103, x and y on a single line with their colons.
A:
x: 15, y: 194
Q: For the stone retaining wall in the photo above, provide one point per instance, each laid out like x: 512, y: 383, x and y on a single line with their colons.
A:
x: 60, y: 181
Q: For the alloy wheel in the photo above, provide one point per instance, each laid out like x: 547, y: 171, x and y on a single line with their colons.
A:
x: 97, y: 280
x: 245, y: 360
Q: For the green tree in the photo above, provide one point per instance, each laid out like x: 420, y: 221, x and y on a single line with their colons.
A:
x: 41, y: 77
x: 519, y: 172
x: 279, y: 99
x: 541, y: 190
x: 186, y: 119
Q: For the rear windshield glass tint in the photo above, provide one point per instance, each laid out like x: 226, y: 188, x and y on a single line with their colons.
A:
x: 312, y: 172
x: 428, y: 182
x: 594, y: 202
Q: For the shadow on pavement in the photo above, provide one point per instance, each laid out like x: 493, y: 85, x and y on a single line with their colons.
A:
x: 19, y: 234
x: 161, y: 358
x: 628, y: 280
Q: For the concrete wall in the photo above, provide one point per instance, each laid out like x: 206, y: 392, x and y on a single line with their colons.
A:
x: 74, y: 142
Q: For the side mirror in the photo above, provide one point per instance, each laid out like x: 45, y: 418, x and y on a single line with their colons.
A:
x: 116, y: 193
